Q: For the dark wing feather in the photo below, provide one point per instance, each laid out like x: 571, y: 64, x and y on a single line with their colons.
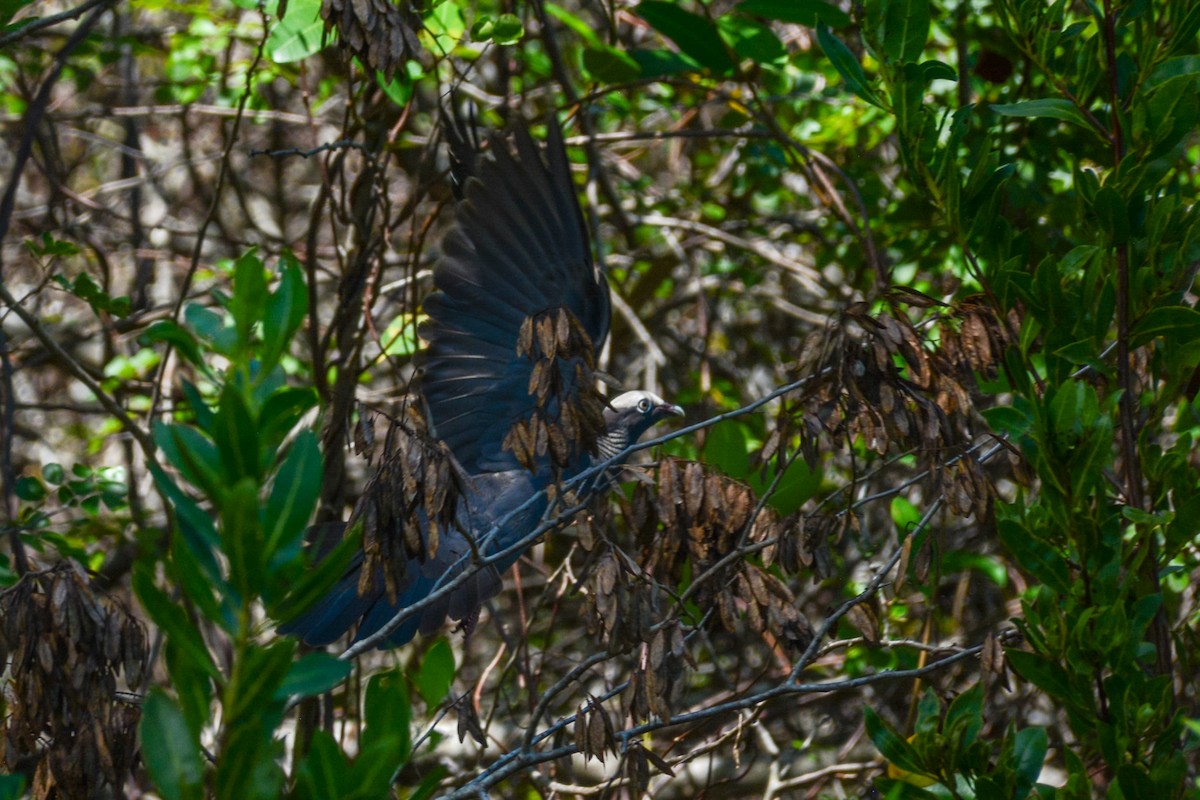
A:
x: 489, y: 500
x: 519, y: 248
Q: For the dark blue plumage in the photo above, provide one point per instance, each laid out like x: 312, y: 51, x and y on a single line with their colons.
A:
x: 518, y: 251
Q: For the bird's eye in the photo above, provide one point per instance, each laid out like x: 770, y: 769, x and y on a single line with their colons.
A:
x: 643, y: 405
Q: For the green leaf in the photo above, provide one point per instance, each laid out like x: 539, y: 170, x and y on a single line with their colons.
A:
x: 905, y: 30
x: 242, y: 538
x: 1184, y: 33
x: 30, y: 489
x: 169, y: 615
x: 507, y: 29
x: 575, y: 23
x: 249, y: 296
x: 198, y: 406
x: 195, y: 524
x: 605, y: 64
x: 1049, y: 107
x: 695, y: 36
x: 248, y: 765
x: 1035, y: 556
x: 1171, y: 68
x: 294, y: 495
x: 12, y: 787
x: 285, y: 312
x: 170, y: 753
x: 313, y: 674
x: 436, y: 673
x: 1114, y: 216
x: 313, y: 584
x: 388, y: 717
x: 236, y: 435
x: 53, y: 474
x: 939, y: 71
x: 662, y: 63
x: 846, y: 65
x: 728, y: 448
x: 800, y: 12
x: 190, y: 452
x: 1029, y: 753
x: 169, y: 332
x: 752, y: 40
x: 299, y: 35
x: 1134, y: 782
x: 1042, y: 673
x: 891, y: 744
x: 211, y: 327
x: 964, y: 718
x: 929, y: 713
x: 323, y: 773
x: 1179, y: 324
x: 282, y: 410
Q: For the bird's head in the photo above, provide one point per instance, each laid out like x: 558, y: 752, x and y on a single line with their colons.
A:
x: 636, y: 412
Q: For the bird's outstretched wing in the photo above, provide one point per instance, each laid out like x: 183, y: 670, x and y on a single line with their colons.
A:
x: 519, y: 249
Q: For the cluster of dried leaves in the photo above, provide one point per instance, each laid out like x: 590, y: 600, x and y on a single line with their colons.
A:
x: 569, y: 417
x: 876, y: 377
x: 408, y: 502
x: 689, y: 517
x: 381, y: 34
x: 712, y: 520
x: 66, y: 726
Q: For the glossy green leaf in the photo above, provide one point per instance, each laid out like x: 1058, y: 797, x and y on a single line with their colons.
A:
x: 905, y: 30
x: 801, y: 12
x: 846, y: 64
x: 169, y: 615
x: 170, y: 753
x: 30, y: 489
x: 190, y: 452
x: 436, y: 673
x: 1179, y: 324
x: 314, y: 583
x: 890, y: 744
x: 752, y: 40
x: 236, y: 435
x: 695, y: 36
x: 324, y: 771
x: 1041, y: 672
x: 285, y: 311
x: 249, y: 295
x: 313, y: 674
x: 508, y: 29
x: 609, y: 65
x: 1029, y: 753
x: 12, y: 787
x: 168, y: 332
x: 964, y: 717
x: 388, y: 716
x: 1114, y: 216
x: 194, y: 523
x: 1048, y: 108
x: 294, y: 496
x: 248, y: 764
x: 577, y: 24
x: 242, y: 538
x: 298, y: 35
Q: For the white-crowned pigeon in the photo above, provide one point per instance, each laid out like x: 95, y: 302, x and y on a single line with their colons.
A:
x: 518, y: 312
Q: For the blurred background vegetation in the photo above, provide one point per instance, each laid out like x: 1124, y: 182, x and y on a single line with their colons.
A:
x: 924, y: 267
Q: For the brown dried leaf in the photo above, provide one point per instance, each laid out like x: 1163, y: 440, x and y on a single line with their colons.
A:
x: 863, y: 618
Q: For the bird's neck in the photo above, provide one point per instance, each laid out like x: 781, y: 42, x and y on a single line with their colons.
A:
x: 611, y: 443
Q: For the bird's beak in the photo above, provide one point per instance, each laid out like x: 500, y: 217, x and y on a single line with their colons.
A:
x: 669, y: 410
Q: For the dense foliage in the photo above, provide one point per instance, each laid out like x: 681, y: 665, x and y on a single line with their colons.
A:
x: 921, y: 272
